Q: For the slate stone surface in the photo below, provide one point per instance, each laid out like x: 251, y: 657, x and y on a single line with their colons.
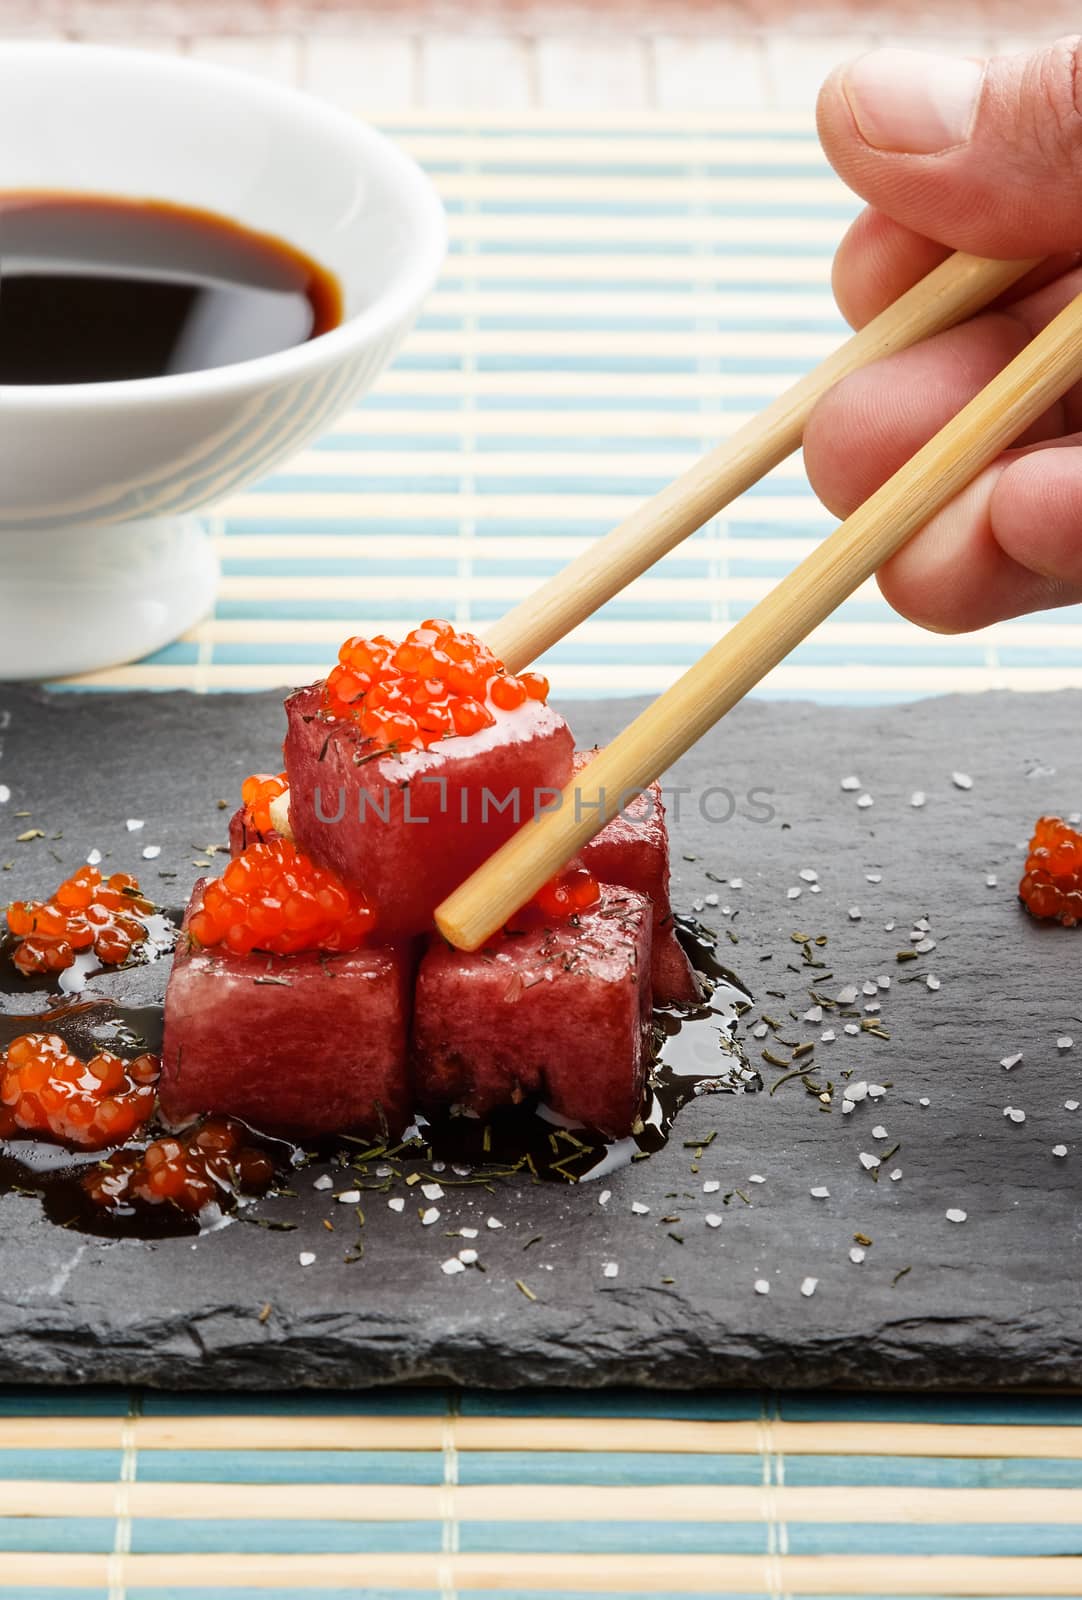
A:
x: 995, y: 1300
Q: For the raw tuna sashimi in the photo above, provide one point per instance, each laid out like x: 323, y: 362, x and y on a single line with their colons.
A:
x: 408, y: 826
x: 311, y: 1043
x: 633, y: 850
x: 562, y: 1011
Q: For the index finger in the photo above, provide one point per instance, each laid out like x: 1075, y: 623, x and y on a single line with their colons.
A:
x: 879, y: 259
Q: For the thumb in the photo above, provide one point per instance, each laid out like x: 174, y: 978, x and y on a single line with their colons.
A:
x: 981, y: 156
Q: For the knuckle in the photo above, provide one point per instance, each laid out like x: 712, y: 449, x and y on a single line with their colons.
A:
x: 1051, y: 102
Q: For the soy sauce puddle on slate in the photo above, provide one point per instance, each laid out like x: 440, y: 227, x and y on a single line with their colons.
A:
x: 528, y: 1142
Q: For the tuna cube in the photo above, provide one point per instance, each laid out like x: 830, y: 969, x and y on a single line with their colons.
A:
x: 307, y: 1044
x: 408, y: 827
x: 633, y: 850
x: 560, y: 1011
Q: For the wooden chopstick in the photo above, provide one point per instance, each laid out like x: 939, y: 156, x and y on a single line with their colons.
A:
x: 1040, y: 374
x: 951, y: 292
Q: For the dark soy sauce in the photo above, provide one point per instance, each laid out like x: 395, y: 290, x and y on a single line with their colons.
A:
x: 95, y: 290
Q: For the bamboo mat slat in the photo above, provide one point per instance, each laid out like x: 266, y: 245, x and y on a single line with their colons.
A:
x: 451, y: 1496
x: 621, y: 290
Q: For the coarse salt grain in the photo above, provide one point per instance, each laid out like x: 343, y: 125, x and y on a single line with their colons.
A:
x: 868, y: 1161
x: 895, y: 1175
x: 808, y: 875
x: 851, y: 784
x: 468, y: 1233
x: 493, y: 1222
x: 429, y: 1216
x: 793, y: 894
x: 306, y: 1257
x: 151, y: 852
x: 762, y: 1286
x: 846, y: 996
x: 756, y: 1177
x: 1011, y: 1061
x: 847, y: 1107
x: 961, y: 780
x: 452, y: 1265
x: 955, y: 1214
x: 828, y: 1036
x: 1064, y: 1042
x: 813, y: 1014
x: 924, y: 1100
x: 1014, y: 1114
x: 991, y: 880
x: 852, y: 1027
x: 883, y: 981
x: 639, y: 1209
x: 467, y: 1257
x: 604, y: 1197
x: 1059, y: 1149
x: 925, y: 947
x: 864, y: 801
x: 610, y: 1269
x: 712, y: 1219
x: 808, y: 1287
x: 94, y: 858
x: 760, y: 1030
x: 349, y: 1197
x: 432, y: 1191
x: 856, y: 1255
x: 736, y: 883
x: 133, y: 824
x: 854, y: 913
x: 820, y: 1192
x: 933, y: 982
x: 711, y: 1186
x: 918, y: 798
x: 879, y: 1132
x: 711, y: 899
x: 324, y: 1182
x: 396, y: 1203
x: 869, y: 988
x: 873, y: 877
x: 876, y: 1091
x: 856, y: 1091
x: 1070, y: 1105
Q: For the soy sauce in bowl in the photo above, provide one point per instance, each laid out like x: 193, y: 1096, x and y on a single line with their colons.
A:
x: 95, y: 289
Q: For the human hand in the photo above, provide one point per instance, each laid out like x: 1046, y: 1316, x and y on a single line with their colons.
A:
x: 959, y: 155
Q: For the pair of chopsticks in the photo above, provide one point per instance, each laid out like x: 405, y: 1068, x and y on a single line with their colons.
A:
x: 1015, y: 398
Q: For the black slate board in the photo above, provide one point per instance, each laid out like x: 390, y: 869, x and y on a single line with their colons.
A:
x: 993, y: 1301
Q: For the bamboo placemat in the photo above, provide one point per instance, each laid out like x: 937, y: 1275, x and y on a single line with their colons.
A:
x: 446, y: 1496
x: 619, y: 293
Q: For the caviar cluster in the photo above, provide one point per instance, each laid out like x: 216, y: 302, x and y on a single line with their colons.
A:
x: 258, y: 792
x: 83, y: 914
x: 1052, y: 883
x: 273, y: 897
x: 209, y: 1165
x: 46, y: 1089
x: 572, y: 893
x: 435, y: 684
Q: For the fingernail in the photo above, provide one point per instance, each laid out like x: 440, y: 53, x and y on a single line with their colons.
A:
x: 912, y: 103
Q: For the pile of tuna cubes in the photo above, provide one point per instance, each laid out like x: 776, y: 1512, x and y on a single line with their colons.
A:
x: 320, y: 1042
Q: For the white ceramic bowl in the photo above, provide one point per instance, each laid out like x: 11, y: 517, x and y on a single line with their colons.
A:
x: 100, y: 557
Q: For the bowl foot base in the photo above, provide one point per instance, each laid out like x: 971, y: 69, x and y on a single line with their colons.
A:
x: 73, y: 601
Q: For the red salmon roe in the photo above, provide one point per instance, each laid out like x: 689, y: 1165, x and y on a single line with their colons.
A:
x: 209, y: 1164
x: 571, y: 893
x: 1052, y: 883
x: 46, y: 1089
x: 273, y: 897
x: 83, y: 914
x: 257, y: 792
x: 435, y: 684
